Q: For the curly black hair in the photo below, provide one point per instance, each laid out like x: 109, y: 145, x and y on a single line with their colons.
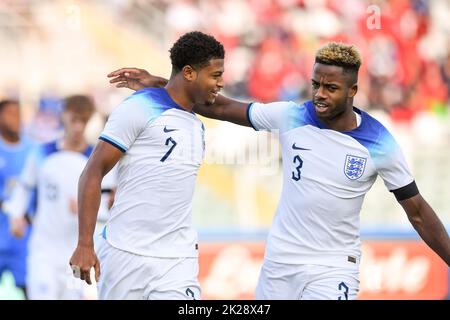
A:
x: 195, y: 49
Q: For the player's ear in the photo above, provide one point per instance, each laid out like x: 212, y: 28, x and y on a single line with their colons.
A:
x: 189, y: 73
x: 353, y: 90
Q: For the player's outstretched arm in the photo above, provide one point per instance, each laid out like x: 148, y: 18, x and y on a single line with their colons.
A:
x: 226, y: 109
x: 135, y: 79
x: 223, y: 108
x: 102, y: 160
x: 427, y: 224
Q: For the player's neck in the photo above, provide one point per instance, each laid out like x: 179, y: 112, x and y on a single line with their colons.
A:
x: 10, y: 138
x: 177, y: 92
x: 345, y: 121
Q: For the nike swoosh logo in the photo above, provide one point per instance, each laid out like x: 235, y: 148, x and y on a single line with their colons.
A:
x: 299, y: 148
x: 169, y: 130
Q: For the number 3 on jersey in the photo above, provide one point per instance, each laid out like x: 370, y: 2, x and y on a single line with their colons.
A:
x: 299, y: 162
x: 296, y: 175
x: 168, y: 141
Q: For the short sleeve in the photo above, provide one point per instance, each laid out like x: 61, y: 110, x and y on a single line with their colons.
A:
x: 269, y: 116
x: 392, y: 167
x: 126, y: 122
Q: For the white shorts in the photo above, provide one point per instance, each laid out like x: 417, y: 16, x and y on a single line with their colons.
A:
x: 50, y: 279
x: 124, y: 275
x: 279, y: 281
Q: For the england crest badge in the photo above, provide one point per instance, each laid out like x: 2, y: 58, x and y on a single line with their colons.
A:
x: 354, y: 167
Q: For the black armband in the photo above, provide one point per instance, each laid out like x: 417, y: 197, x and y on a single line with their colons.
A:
x: 406, y: 192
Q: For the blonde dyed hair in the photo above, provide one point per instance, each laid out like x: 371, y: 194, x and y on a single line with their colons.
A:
x: 341, y: 55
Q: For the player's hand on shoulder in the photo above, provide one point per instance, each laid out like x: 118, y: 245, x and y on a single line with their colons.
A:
x: 83, y: 259
x: 18, y: 226
x: 135, y: 79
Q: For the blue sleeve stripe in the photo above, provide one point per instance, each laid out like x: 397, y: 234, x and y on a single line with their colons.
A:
x: 114, y: 143
x: 249, y: 118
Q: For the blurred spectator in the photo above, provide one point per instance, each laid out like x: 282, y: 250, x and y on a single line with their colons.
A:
x: 14, y: 148
x: 54, y: 169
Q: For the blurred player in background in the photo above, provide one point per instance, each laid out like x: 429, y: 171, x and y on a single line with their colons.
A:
x: 14, y: 149
x: 149, y: 248
x: 332, y: 154
x: 54, y: 168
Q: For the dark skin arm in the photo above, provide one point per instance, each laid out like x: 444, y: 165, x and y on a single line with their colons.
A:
x: 102, y: 160
x: 224, y: 108
x: 135, y: 79
x: 428, y: 225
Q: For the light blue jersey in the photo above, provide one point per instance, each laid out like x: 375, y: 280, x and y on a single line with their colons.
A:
x: 13, y: 251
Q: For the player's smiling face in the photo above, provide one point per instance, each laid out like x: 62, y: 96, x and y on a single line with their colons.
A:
x: 209, y: 82
x: 332, y: 91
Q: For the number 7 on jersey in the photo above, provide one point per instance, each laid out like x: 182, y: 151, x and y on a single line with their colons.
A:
x: 174, y: 143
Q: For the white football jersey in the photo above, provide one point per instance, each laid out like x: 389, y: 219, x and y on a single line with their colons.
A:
x: 326, y: 176
x: 57, y: 217
x: 55, y: 173
x: 163, y: 148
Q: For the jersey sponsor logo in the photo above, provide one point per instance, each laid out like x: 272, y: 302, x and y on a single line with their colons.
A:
x: 354, y: 167
x: 169, y: 130
x: 299, y: 148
